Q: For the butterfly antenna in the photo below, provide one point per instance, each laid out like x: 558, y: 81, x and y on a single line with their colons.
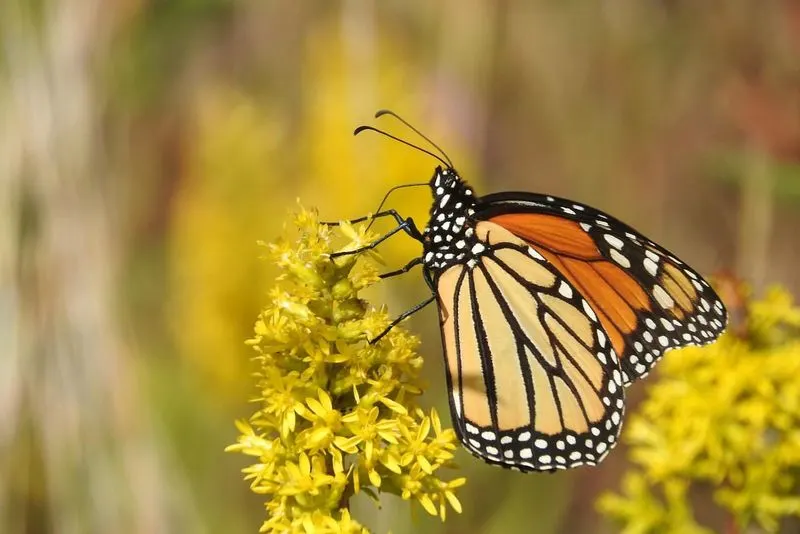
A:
x: 383, y: 112
x: 363, y: 128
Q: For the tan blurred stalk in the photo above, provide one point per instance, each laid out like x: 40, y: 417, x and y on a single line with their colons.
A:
x: 755, y: 220
x: 77, y: 451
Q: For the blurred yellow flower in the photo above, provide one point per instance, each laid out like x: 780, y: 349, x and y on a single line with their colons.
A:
x: 231, y: 167
x: 726, y: 415
x: 336, y: 414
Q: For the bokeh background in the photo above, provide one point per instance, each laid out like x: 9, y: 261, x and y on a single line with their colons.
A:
x: 147, y: 145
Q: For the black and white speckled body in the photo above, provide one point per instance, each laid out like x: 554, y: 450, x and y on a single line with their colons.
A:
x: 449, y: 238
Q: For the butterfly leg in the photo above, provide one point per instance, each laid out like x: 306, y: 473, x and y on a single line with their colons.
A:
x: 403, y: 316
x: 406, y: 226
x: 410, y: 265
x: 387, y: 213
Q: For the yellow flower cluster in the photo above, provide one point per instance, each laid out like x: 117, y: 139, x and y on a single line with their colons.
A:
x: 727, y: 416
x: 337, y: 415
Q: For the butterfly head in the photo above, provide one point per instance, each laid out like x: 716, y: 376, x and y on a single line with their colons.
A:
x: 450, y: 233
x: 450, y: 192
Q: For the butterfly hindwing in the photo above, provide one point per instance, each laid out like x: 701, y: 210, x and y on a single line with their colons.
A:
x: 535, y: 383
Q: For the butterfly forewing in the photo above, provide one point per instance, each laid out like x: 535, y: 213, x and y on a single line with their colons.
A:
x: 648, y: 300
x: 534, y: 381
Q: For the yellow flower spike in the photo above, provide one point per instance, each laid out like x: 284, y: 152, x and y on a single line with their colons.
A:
x: 741, y: 440
x: 327, y: 399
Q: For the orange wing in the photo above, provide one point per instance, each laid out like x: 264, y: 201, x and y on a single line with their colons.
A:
x: 646, y: 299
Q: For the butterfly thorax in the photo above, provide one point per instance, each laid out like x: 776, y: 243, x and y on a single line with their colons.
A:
x: 450, y: 234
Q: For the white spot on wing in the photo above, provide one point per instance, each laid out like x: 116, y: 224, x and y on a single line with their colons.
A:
x: 620, y: 258
x: 589, y: 311
x: 565, y: 290
x: 535, y: 254
x: 601, y: 338
x: 651, y: 266
x: 613, y: 240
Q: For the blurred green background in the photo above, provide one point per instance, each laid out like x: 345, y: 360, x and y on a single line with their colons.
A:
x: 146, y: 145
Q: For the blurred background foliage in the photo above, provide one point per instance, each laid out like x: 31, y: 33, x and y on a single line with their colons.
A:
x: 145, y: 146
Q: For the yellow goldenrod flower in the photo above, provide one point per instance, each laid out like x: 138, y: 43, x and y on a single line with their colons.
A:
x: 727, y: 416
x: 336, y: 415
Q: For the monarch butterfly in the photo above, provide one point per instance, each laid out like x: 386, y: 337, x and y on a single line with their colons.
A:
x: 548, y: 310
